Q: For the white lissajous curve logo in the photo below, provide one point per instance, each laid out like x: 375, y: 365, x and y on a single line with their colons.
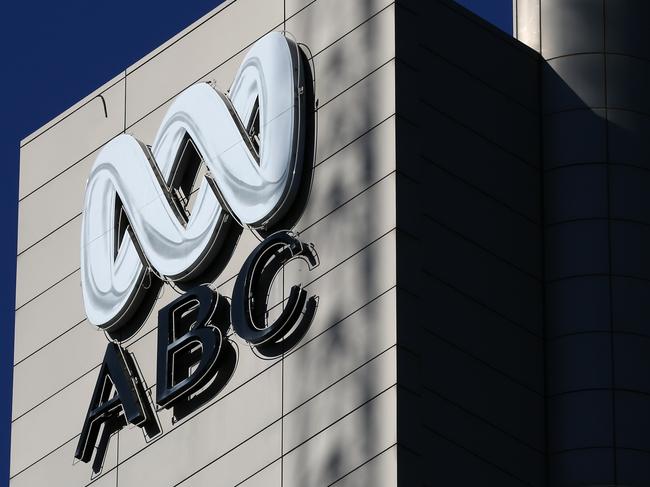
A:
x: 253, y: 188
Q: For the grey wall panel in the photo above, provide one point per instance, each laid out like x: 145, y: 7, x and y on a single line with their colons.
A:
x: 588, y: 185
x: 353, y: 169
x: 36, y: 271
x: 375, y: 207
x: 359, y: 109
x: 574, y: 137
x: 627, y: 139
x: 340, y: 449
x: 218, y: 429
x: 572, y: 27
x: 629, y: 241
x: 581, y: 361
x: 43, y: 320
x: 359, y: 370
x: 477, y: 329
x: 631, y: 305
x: 481, y: 109
x: 50, y: 425
x: 380, y: 470
x: 479, y: 50
x: 454, y: 464
x: 71, y: 139
x: 483, y: 439
x: 571, y: 82
x: 248, y: 369
x: 632, y: 434
x: 576, y: 305
x: 593, y: 466
x: 626, y: 23
x: 478, y: 162
x: 53, y: 205
x: 347, y: 60
x: 109, y: 480
x: 453, y: 203
x: 627, y: 190
x: 294, y: 6
x: 466, y: 266
x: 469, y: 251
x: 572, y: 257
x: 478, y: 390
x: 192, y: 56
x: 82, y: 347
x: 591, y: 424
x: 340, y: 303
x: 631, y: 354
x: 243, y: 463
x: 59, y: 465
x: 271, y: 476
x: 323, y: 22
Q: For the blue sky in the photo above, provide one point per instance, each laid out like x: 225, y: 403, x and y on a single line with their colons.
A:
x: 55, y: 53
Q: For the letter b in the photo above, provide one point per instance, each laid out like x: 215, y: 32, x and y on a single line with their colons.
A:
x: 191, y: 333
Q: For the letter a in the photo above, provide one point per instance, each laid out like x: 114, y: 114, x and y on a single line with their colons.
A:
x: 119, y: 398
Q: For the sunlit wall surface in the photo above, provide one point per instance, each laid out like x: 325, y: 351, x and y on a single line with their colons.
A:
x: 323, y: 412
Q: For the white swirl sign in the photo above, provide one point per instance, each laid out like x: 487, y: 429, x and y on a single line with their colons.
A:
x: 255, y: 188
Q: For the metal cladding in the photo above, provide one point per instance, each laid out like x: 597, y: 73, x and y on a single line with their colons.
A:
x: 596, y: 109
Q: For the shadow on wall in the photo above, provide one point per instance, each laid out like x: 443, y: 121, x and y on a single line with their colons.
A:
x: 333, y: 454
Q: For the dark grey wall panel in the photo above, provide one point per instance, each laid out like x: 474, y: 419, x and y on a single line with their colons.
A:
x: 574, y: 137
x: 577, y: 305
x: 626, y: 22
x: 469, y: 250
x: 631, y: 305
x: 454, y: 34
x: 589, y: 466
x: 575, y: 192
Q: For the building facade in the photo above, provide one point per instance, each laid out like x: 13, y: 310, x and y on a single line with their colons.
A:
x: 475, y: 205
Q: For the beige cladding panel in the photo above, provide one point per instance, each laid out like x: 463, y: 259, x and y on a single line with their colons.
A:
x: 50, y: 425
x: 187, y: 60
x: 243, y: 463
x: 56, y: 366
x: 207, y: 437
x: 71, y: 139
x: 61, y: 465
x: 344, y: 446
x: 271, y: 476
x: 380, y: 471
x: 47, y: 263
x: 322, y: 23
x: 54, y: 205
x: 44, y: 319
x: 276, y: 422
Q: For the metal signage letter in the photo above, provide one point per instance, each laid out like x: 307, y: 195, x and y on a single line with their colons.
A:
x: 119, y: 398
x: 248, y: 312
x: 191, y: 332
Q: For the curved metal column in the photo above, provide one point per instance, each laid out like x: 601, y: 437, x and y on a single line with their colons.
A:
x: 596, y: 134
